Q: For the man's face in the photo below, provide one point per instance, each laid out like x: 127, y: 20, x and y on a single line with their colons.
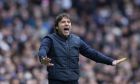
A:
x: 64, y: 26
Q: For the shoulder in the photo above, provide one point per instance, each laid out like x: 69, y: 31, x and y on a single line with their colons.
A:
x: 75, y: 39
x: 49, y: 36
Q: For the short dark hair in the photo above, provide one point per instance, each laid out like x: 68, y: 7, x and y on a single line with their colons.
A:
x: 59, y: 18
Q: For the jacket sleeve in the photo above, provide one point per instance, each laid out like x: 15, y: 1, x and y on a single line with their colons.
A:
x: 44, y: 47
x: 93, y: 54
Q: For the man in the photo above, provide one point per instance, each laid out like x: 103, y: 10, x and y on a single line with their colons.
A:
x: 60, y: 52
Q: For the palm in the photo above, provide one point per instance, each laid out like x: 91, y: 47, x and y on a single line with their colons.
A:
x: 46, y: 61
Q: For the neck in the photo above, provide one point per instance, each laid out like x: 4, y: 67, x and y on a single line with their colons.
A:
x: 61, y: 35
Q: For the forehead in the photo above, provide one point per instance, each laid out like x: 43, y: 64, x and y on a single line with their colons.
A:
x: 65, y: 19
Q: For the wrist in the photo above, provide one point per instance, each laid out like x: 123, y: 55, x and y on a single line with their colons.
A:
x: 114, y: 62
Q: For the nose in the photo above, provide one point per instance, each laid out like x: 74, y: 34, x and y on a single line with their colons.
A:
x: 67, y: 23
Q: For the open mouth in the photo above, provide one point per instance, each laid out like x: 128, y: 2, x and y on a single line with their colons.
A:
x: 66, y: 29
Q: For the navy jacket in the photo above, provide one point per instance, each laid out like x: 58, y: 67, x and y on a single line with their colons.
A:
x: 64, y: 53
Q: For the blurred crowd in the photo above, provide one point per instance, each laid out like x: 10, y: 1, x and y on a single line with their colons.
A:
x: 110, y: 26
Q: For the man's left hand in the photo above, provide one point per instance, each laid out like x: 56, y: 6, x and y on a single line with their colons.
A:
x: 116, y: 62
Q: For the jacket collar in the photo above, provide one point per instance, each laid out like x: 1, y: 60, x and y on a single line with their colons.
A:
x: 61, y: 36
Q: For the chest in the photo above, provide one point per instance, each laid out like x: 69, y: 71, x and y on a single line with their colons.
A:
x: 69, y: 47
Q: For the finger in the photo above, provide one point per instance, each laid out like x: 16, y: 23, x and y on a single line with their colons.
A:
x: 121, y: 60
x: 48, y: 59
x: 50, y: 64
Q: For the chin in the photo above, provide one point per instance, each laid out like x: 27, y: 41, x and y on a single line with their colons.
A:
x: 66, y: 35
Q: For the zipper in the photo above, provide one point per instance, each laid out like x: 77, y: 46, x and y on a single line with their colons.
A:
x: 68, y: 51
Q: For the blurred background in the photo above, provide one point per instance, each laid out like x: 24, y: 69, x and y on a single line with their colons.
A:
x: 110, y: 26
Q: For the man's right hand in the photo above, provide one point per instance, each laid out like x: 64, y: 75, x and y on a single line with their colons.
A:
x: 46, y: 61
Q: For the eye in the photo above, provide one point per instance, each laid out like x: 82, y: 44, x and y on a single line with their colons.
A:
x: 63, y: 21
x: 68, y: 21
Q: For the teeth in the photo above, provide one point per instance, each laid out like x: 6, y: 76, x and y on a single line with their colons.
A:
x: 66, y: 31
